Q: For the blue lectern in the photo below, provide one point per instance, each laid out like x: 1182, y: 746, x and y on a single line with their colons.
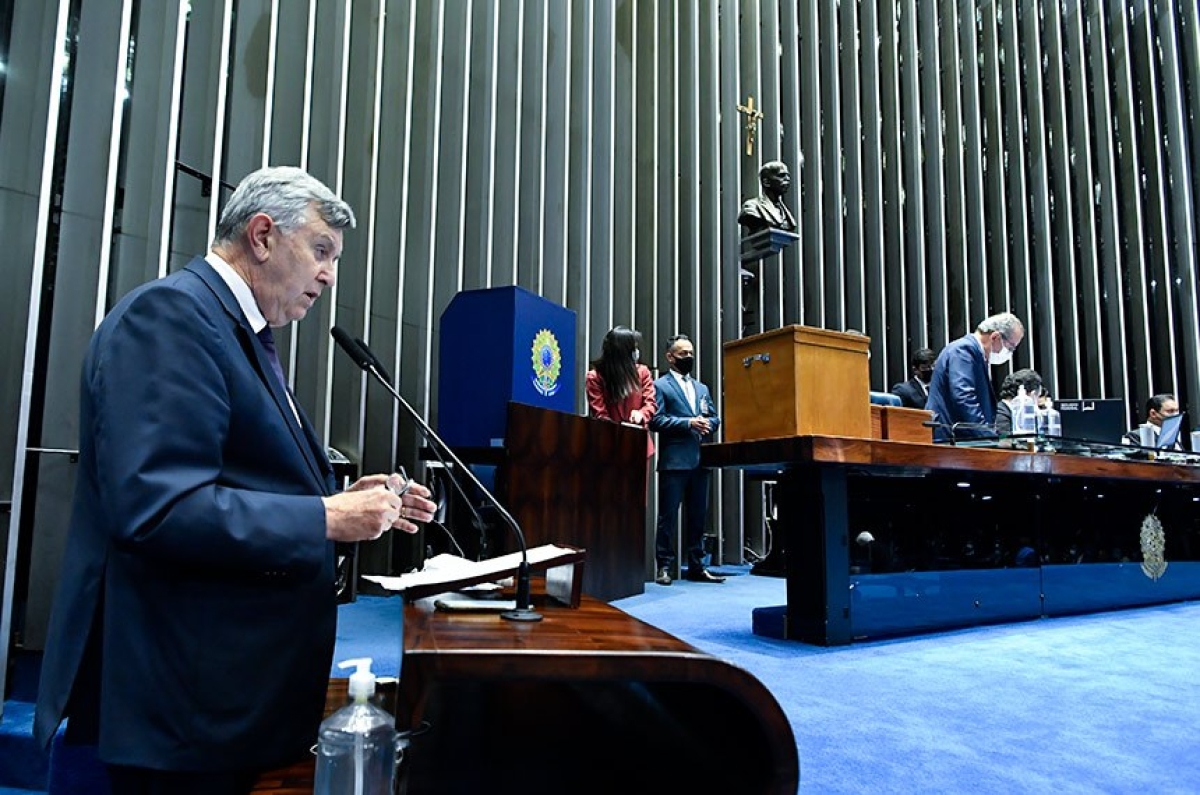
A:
x: 497, y: 345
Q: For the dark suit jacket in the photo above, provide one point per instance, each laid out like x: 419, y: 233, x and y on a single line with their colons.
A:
x: 1004, y: 418
x: 196, y: 556
x: 678, y: 444
x: 1134, y: 437
x: 961, y: 390
x: 911, y: 393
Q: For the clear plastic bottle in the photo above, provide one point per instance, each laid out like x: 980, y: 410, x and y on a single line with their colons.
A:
x: 356, y: 746
x: 1049, y: 421
x: 1024, y: 413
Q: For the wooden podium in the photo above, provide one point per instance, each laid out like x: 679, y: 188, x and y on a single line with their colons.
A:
x: 575, y: 481
x: 588, y: 700
x: 797, y: 381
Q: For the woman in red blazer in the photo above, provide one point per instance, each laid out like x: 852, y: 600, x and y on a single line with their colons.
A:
x: 619, y: 388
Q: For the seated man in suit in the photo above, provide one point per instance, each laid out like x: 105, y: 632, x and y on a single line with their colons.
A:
x: 914, y: 391
x: 1158, y: 408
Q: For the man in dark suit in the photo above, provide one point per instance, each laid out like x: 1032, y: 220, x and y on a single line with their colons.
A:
x: 960, y: 392
x: 686, y: 417
x: 1158, y: 408
x: 192, y: 634
x: 914, y: 391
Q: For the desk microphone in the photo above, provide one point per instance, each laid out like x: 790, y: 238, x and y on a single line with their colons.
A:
x: 366, y: 359
x: 961, y: 426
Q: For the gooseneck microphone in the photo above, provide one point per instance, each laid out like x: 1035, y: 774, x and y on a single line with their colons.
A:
x: 954, y: 428
x: 478, y: 520
x: 366, y: 359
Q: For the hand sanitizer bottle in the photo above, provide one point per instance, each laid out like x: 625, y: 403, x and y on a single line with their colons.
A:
x: 356, y: 746
x: 1024, y: 418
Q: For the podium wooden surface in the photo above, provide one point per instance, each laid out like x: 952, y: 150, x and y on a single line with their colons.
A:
x: 586, y: 700
x: 794, y: 381
x: 579, y: 482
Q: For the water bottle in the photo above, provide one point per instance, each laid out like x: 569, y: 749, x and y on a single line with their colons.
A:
x: 356, y: 746
x: 1024, y: 413
x: 1054, y: 422
x: 1049, y: 421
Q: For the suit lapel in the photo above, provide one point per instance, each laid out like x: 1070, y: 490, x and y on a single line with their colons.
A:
x: 302, y: 432
x: 683, y: 395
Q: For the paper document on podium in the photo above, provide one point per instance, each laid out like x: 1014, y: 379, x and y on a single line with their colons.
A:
x: 444, y: 573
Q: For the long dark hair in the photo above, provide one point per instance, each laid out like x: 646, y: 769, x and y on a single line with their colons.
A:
x: 616, y: 366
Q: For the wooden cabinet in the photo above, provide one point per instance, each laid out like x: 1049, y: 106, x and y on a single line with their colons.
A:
x: 796, y: 381
x: 900, y: 424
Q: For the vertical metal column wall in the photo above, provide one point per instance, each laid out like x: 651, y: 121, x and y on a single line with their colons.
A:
x: 950, y: 160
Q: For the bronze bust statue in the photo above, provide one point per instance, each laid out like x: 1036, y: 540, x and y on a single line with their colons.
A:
x: 768, y: 210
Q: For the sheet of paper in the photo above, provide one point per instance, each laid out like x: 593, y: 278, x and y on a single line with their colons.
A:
x: 449, y: 569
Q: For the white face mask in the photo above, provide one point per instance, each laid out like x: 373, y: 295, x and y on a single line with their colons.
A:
x: 637, y: 355
x: 1002, y: 357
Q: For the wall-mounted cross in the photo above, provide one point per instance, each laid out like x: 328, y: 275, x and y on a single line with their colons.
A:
x: 752, y: 118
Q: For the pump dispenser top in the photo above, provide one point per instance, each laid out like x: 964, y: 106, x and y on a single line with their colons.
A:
x: 362, y: 681
x: 356, y: 746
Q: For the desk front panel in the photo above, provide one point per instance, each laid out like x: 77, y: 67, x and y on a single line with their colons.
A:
x: 960, y: 536
x: 952, y: 549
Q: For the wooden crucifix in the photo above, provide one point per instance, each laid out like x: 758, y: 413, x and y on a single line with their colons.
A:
x: 752, y: 119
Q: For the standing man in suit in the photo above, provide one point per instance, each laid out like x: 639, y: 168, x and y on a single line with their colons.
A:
x: 960, y: 392
x: 686, y: 417
x: 192, y: 634
x: 915, y: 390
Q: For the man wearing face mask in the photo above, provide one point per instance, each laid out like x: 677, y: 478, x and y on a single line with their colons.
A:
x: 686, y: 417
x: 960, y: 391
x: 915, y: 391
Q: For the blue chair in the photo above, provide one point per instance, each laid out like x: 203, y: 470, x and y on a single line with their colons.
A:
x: 885, y: 399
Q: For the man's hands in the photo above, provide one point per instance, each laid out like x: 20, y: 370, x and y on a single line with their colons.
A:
x: 700, y: 425
x: 375, y: 503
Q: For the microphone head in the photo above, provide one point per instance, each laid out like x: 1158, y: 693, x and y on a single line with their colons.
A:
x: 352, y: 348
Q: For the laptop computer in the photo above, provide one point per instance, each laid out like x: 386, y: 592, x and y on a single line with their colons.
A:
x: 1168, y: 432
x: 1093, y: 419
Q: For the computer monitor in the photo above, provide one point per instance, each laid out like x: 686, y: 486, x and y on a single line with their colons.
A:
x: 1093, y: 419
x: 1168, y: 433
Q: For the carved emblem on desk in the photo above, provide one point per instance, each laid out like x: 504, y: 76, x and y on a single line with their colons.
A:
x: 1154, y: 545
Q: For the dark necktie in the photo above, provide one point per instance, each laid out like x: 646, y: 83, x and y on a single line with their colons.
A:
x: 268, y: 342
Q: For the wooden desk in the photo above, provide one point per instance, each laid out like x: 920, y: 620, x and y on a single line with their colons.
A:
x: 587, y: 700
x: 578, y: 481
x: 1061, y: 502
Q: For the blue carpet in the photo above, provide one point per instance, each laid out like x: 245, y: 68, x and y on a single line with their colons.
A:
x: 370, y: 627
x: 1105, y: 703
x: 22, y: 763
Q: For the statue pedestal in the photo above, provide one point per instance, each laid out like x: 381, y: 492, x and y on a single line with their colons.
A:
x: 756, y: 247
x: 765, y: 243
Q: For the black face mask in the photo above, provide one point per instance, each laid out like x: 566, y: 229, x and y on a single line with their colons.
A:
x: 684, y: 366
